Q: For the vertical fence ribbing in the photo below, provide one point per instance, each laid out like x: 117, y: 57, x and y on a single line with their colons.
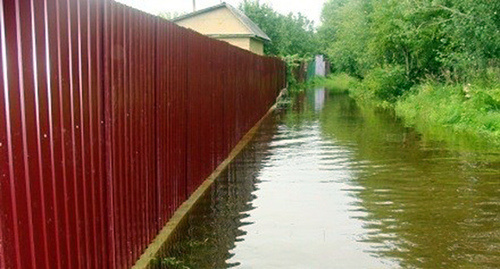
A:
x: 110, y: 119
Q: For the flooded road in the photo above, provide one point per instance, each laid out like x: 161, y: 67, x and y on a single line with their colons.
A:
x: 330, y: 184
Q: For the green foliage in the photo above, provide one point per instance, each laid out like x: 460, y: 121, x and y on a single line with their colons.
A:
x: 382, y: 85
x: 449, y: 49
x: 339, y: 82
x: 291, y: 62
x: 470, y: 110
x: 443, y: 111
x: 448, y: 40
x: 344, y: 33
x: 386, y: 84
x: 292, y: 34
x: 471, y: 38
x: 327, y: 33
x: 173, y: 263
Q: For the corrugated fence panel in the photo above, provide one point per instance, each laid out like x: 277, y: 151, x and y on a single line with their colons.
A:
x: 171, y: 117
x: 46, y: 214
x: 110, y: 118
x: 219, y: 68
x: 132, y: 131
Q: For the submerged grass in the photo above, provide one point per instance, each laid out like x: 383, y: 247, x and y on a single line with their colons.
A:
x: 449, y: 112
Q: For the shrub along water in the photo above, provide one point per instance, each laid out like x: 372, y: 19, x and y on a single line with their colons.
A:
x: 471, y: 109
x: 339, y: 83
x: 438, y: 109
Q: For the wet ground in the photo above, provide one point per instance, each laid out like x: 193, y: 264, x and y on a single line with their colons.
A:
x: 330, y: 184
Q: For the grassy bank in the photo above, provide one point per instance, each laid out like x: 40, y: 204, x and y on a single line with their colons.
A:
x: 440, y: 110
x: 465, y: 109
x: 339, y: 83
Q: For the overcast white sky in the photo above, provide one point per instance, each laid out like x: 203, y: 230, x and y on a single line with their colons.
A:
x: 309, y: 8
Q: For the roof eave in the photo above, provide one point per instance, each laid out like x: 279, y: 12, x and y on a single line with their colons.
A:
x: 235, y: 12
x: 198, y: 12
x: 239, y: 36
x: 238, y: 14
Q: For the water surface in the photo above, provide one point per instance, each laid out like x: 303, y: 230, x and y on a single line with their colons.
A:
x: 331, y: 184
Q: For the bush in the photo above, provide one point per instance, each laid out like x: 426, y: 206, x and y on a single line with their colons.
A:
x: 292, y: 62
x: 386, y: 84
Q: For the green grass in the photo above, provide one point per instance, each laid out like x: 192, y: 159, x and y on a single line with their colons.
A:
x: 469, y: 110
x: 339, y: 83
x: 438, y: 110
x: 173, y: 263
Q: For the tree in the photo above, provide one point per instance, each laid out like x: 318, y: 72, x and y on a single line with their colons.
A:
x: 425, y: 38
x: 291, y: 34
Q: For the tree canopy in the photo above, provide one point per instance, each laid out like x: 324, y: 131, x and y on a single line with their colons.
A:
x: 441, y: 38
x: 291, y: 34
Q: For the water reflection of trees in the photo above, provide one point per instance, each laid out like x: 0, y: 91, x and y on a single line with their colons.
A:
x: 424, y: 205
x: 214, y: 226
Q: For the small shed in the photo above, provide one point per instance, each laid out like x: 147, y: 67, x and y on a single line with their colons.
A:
x: 226, y: 23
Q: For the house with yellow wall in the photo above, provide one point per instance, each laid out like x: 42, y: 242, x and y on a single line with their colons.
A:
x: 226, y: 23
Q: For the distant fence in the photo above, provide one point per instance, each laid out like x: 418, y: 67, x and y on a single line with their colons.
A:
x: 303, y: 71
x: 110, y: 118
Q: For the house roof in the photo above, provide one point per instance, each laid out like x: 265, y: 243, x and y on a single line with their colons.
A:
x: 252, y: 27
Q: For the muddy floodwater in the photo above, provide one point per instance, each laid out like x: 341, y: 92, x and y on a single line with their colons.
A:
x: 327, y: 183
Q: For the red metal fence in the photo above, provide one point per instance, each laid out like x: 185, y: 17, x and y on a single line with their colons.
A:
x: 110, y: 118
